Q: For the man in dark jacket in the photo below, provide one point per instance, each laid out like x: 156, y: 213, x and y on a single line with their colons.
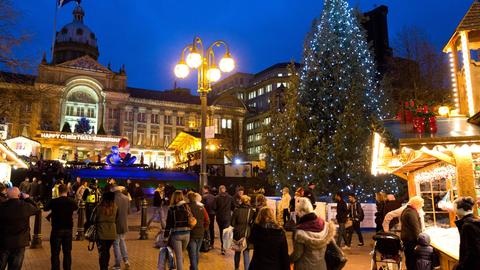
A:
x: 25, y: 186
x: 62, y: 223
x: 223, y: 210
x: 15, y: 216
x: 208, y: 200
x: 355, y: 213
x: 310, y: 194
x: 342, y: 215
x: 138, y: 195
x: 198, y: 232
x: 121, y: 223
x: 34, y: 189
x: 411, y: 228
x: 469, y: 229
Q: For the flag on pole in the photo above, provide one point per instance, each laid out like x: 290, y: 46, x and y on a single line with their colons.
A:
x: 62, y: 3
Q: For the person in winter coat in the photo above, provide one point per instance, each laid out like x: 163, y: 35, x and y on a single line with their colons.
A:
x: 391, y: 204
x: 119, y: 246
x: 198, y: 232
x: 284, y: 205
x: 25, y: 186
x: 241, y: 221
x: 138, y: 195
x: 469, y: 229
x: 208, y: 200
x: 411, y: 228
x: 224, y: 206
x: 15, y: 216
x: 380, y: 200
x: 158, y: 203
x: 177, y: 227
x: 355, y: 213
x: 311, y: 239
x: 105, y: 217
x: 294, y: 202
x: 425, y: 258
x: 270, y: 247
x: 34, y: 189
x: 341, y: 217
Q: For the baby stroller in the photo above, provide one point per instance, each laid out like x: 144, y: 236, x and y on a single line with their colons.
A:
x: 387, y: 252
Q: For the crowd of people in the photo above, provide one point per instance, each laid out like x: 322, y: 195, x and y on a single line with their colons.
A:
x: 186, y: 220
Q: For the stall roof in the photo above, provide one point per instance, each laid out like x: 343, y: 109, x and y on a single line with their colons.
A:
x: 448, y: 129
x: 422, y: 161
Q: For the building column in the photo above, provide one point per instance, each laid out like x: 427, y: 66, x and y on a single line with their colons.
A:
x: 148, y: 128
x: 465, y: 173
x: 240, y: 134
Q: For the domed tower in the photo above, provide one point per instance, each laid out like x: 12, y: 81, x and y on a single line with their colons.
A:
x: 75, y: 40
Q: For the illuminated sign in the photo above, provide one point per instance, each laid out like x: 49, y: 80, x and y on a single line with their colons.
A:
x: 79, y: 137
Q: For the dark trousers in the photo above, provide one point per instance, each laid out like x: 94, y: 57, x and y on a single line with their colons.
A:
x: 286, y: 216
x: 409, y: 250
x: 61, y: 239
x: 138, y: 203
x: 211, y: 228
x: 104, y: 253
x: 12, y: 257
x: 355, y: 228
x: 341, y: 234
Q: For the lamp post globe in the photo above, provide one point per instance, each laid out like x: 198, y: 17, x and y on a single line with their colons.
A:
x: 227, y: 63
x: 181, y: 70
x: 194, y: 59
x: 213, y: 74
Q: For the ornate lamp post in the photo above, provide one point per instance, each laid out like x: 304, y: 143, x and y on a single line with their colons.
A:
x: 203, y: 59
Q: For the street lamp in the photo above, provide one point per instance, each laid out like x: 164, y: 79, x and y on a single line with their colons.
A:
x: 203, y: 59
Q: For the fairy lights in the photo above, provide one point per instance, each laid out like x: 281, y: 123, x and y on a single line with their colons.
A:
x: 453, y: 73
x: 466, y: 66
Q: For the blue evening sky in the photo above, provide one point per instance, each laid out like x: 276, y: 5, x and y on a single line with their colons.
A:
x: 148, y: 35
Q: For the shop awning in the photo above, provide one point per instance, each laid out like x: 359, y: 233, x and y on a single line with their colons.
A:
x: 9, y: 156
x: 419, y: 162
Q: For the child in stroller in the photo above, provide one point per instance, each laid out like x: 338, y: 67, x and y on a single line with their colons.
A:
x: 386, y: 254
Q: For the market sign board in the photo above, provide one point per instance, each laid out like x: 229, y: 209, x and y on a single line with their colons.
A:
x: 78, y: 137
x: 23, y: 146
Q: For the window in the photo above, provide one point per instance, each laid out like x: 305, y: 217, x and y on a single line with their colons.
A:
x: 154, y: 119
x: 258, y: 137
x: 166, y: 139
x: 168, y: 120
x: 91, y: 113
x: 140, y: 138
x: 256, y: 124
x: 252, y: 94
x: 433, y: 186
x: 27, y: 107
x: 70, y: 110
x: 153, y: 139
x: 227, y: 123
x: 180, y: 121
x: 80, y: 111
x: 240, y: 96
x: 141, y: 117
x: 250, y: 126
x: 250, y: 138
x: 253, y: 104
x: 261, y: 91
x: 129, y: 116
x: 268, y: 88
x: 280, y: 75
x: 267, y: 120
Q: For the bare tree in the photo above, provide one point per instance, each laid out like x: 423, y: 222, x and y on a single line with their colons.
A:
x: 9, y: 40
x: 429, y: 77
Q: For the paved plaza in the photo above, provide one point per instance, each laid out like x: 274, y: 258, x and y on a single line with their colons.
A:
x: 142, y: 255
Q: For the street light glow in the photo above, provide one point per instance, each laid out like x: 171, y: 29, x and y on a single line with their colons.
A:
x: 213, y: 74
x: 227, y: 63
x: 194, y: 59
x: 181, y: 70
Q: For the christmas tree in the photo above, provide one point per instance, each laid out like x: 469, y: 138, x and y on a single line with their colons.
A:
x: 83, y: 126
x: 339, y: 89
x: 286, y: 135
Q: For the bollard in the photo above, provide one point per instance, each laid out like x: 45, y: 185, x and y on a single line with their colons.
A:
x: 143, y: 225
x: 80, y: 236
x: 37, y: 228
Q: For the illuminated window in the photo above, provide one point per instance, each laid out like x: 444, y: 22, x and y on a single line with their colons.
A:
x: 180, y: 121
x: 267, y: 120
x: 154, y: 119
x: 250, y: 138
x: 80, y: 111
x: 141, y: 117
x: 70, y: 110
x: 268, y: 88
x: 91, y: 112
x: 129, y: 116
x: 258, y: 137
x: 252, y: 94
x: 227, y: 123
x: 249, y: 126
x: 261, y: 91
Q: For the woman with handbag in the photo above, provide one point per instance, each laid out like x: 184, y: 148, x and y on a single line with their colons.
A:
x: 241, y: 220
x: 178, y: 226
x: 270, y: 247
x: 105, y: 216
x: 311, y: 238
